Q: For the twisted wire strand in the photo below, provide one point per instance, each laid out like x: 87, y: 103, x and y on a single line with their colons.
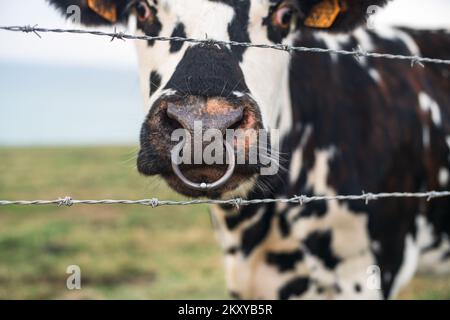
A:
x: 357, y: 52
x: 301, y: 200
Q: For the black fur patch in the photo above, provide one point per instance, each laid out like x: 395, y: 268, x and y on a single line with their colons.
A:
x: 155, y: 82
x: 234, y: 220
x: 234, y: 295
x: 179, y: 31
x: 316, y: 209
x: 256, y: 233
x: 284, y: 261
x: 232, y: 250
x: 295, y: 288
x: 337, y: 288
x: 153, y: 28
x: 284, y: 225
x: 446, y: 256
x: 238, y: 28
x: 274, y: 33
x: 319, y: 245
x: 320, y: 290
x: 208, y: 71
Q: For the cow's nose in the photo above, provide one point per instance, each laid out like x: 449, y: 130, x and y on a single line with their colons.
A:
x: 212, y: 113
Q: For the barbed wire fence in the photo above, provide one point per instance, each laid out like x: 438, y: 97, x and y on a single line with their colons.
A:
x: 300, y: 200
x: 357, y: 52
x: 237, y: 202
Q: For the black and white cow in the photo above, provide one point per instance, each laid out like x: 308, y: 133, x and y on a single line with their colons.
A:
x: 346, y: 125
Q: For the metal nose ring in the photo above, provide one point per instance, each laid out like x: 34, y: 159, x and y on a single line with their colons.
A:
x: 203, y: 186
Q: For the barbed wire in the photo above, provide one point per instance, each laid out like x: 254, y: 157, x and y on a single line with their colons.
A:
x: 301, y: 200
x: 357, y: 52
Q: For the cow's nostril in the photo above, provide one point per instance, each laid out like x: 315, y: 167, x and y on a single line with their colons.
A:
x: 172, y: 122
x: 214, y: 115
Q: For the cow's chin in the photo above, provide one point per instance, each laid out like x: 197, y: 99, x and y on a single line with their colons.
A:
x: 237, y: 186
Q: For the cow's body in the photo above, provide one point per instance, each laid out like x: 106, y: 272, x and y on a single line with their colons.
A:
x: 368, y: 125
x: 346, y: 126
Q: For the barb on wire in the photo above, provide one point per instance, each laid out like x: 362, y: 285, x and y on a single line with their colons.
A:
x: 28, y: 29
x: 237, y: 202
x: 357, y: 53
x: 117, y: 35
x: 416, y: 61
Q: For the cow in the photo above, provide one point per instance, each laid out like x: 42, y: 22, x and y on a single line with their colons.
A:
x: 345, y: 126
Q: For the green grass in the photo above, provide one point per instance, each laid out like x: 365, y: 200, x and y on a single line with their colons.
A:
x: 125, y: 252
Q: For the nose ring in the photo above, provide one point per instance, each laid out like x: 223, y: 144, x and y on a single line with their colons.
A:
x: 203, y: 186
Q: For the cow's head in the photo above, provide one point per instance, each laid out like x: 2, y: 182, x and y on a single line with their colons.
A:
x: 224, y: 87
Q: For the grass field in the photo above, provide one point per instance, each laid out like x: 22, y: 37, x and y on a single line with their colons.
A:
x: 125, y: 252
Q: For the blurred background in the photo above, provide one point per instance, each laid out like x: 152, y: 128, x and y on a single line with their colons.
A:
x: 70, y: 114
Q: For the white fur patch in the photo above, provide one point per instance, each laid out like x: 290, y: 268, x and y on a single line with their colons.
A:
x: 266, y: 72
x: 317, y: 176
x: 365, y: 42
x: 396, y: 34
x: 432, y: 260
x: 443, y: 176
x: 238, y: 94
x: 375, y: 75
x: 408, y: 267
x: 364, y: 39
x: 297, y: 161
x: 427, y: 104
x: 296, y: 165
x: 424, y: 236
x: 333, y: 41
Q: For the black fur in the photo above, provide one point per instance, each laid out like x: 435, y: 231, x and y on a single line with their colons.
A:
x: 179, y: 31
x: 155, y: 82
x: 319, y: 245
x: 285, y: 261
x: 88, y: 16
x: 295, y: 287
x: 208, y: 71
x: 238, y: 28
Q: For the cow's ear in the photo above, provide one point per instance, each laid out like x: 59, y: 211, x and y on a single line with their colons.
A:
x: 338, y: 15
x: 94, y: 12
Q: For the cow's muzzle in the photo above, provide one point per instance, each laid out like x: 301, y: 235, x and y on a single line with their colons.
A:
x: 161, y: 155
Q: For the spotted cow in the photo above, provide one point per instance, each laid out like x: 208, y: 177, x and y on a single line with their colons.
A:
x: 346, y: 125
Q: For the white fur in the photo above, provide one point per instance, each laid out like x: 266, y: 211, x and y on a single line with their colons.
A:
x: 427, y: 104
x: 375, y: 75
x: 396, y: 34
x: 333, y: 41
x: 443, y: 177
x: 408, y: 267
